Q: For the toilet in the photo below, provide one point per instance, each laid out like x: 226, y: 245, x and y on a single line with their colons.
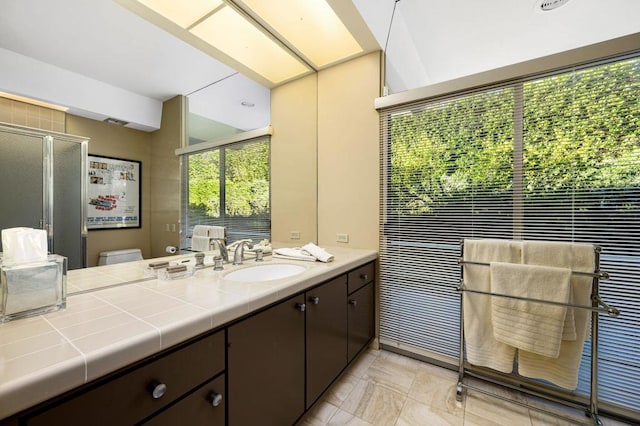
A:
x: 119, y: 256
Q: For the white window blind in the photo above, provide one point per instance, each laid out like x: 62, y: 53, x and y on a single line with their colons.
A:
x: 551, y: 157
x: 228, y: 186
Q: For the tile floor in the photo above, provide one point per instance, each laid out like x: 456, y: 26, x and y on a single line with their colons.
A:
x: 386, y: 389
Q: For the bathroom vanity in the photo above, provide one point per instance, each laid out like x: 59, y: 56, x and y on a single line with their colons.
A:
x: 228, y: 352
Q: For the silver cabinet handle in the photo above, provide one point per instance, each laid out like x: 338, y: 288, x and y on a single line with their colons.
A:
x: 353, y: 302
x: 215, y: 399
x: 314, y: 299
x: 301, y: 306
x: 157, y: 389
x: 364, y: 277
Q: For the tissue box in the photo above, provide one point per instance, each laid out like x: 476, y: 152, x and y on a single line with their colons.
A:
x: 28, y: 289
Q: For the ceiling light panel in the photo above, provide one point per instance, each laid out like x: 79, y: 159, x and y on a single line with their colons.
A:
x: 235, y: 36
x: 310, y: 26
x: 184, y: 12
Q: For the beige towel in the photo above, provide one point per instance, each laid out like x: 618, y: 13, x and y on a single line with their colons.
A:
x: 563, y: 370
x: 530, y: 326
x: 293, y: 254
x: 319, y: 253
x: 482, y: 348
x: 200, y: 243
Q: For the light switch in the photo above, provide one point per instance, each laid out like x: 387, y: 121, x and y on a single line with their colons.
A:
x: 342, y: 238
x: 294, y: 235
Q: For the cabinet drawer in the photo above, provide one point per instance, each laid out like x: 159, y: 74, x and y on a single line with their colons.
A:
x: 361, y: 276
x: 206, y: 406
x: 128, y: 398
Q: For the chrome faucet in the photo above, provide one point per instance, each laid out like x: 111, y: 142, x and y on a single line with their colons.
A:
x: 223, y: 249
x: 238, y: 254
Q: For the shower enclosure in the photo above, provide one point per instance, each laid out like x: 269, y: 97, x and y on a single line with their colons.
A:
x: 43, y: 186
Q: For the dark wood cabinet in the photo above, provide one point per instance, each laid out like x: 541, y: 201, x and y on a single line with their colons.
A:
x: 265, y: 366
x: 361, y: 319
x: 205, y: 406
x: 326, y: 335
x: 266, y: 369
x: 129, y: 398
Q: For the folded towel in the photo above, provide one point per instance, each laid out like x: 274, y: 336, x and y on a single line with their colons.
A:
x: 563, y: 370
x: 200, y: 243
x: 482, y: 348
x: 201, y: 231
x: 318, y: 252
x: 293, y: 254
x: 209, y: 231
x: 530, y: 326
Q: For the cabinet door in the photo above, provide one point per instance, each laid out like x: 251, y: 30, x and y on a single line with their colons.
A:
x: 203, y: 407
x: 265, y: 366
x: 360, y: 313
x: 326, y: 335
x: 129, y: 398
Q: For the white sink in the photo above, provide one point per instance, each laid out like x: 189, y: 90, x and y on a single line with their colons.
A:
x: 273, y: 271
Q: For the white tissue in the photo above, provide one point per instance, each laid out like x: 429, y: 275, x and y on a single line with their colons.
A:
x: 21, y: 245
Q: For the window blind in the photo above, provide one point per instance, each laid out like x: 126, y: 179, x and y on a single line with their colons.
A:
x: 228, y: 186
x: 550, y: 157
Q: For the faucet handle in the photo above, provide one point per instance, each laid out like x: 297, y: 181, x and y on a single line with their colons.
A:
x: 259, y: 255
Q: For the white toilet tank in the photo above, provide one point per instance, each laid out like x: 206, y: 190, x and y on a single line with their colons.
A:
x: 119, y: 256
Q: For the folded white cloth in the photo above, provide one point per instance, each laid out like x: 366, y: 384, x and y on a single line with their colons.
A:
x: 294, y: 254
x: 22, y: 245
x: 318, y: 252
x: 216, y: 232
x: 200, y: 243
x: 530, y: 326
x: 563, y: 370
x: 481, y: 346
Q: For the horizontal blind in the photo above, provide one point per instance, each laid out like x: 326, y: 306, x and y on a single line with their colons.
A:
x: 228, y: 186
x: 554, y: 157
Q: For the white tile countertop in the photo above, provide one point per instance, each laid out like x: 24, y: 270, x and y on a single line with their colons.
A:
x: 116, y: 316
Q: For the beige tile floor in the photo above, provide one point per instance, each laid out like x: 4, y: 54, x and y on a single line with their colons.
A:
x: 386, y: 389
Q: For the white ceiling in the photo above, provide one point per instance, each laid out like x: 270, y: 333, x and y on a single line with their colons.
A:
x: 102, y: 60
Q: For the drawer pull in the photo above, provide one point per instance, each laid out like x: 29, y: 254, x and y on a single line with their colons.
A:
x: 364, y: 277
x: 157, y: 389
x: 215, y: 398
x: 314, y: 299
x: 353, y: 302
x: 301, y: 307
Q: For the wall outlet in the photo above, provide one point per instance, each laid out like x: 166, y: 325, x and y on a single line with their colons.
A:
x: 342, y: 238
x: 294, y: 235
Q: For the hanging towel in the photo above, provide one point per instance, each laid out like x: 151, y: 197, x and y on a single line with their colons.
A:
x: 200, y: 243
x: 293, y: 254
x: 530, y: 326
x: 481, y: 347
x: 318, y: 252
x: 216, y: 232
x: 209, y: 231
x: 563, y: 370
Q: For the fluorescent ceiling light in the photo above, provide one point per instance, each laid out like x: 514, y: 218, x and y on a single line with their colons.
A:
x: 184, y: 12
x: 234, y: 35
x: 270, y: 41
x: 310, y: 26
x: 32, y: 101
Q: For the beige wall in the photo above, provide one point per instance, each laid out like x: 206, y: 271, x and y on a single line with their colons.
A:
x: 23, y: 114
x: 348, y: 153
x: 294, y: 161
x: 120, y: 142
x: 165, y: 177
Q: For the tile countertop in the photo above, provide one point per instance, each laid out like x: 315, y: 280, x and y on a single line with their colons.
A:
x: 104, y: 329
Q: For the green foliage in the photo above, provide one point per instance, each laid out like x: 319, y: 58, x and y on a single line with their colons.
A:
x: 246, y: 174
x: 581, y: 132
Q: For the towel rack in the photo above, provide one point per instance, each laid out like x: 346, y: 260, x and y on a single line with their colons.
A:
x: 597, y: 306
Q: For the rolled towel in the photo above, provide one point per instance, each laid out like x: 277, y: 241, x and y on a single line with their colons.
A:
x: 294, y: 254
x: 318, y: 252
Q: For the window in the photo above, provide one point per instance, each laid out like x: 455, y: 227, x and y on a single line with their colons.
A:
x: 228, y: 186
x: 555, y: 157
